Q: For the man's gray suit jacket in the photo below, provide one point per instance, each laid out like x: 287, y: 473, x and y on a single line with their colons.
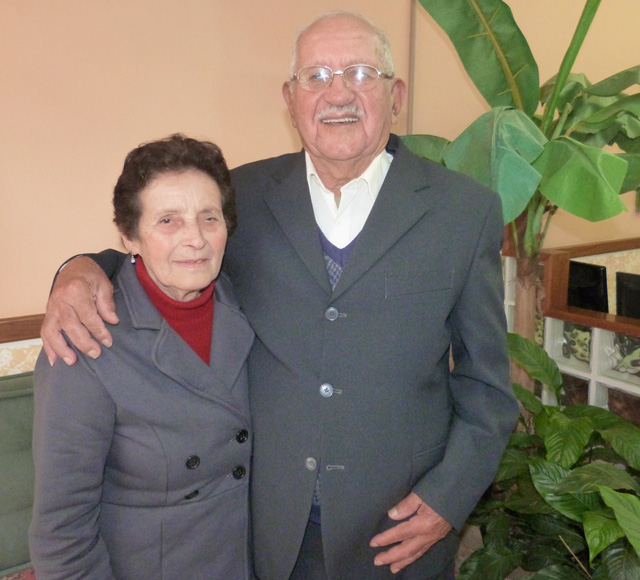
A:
x: 355, y: 383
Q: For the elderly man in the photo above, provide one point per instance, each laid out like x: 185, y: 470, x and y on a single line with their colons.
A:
x: 360, y: 268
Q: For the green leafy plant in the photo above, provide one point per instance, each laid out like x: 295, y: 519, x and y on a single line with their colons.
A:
x: 539, y: 147
x: 565, y: 503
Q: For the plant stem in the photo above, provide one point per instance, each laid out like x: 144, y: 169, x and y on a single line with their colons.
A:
x: 588, y: 14
x: 575, y: 557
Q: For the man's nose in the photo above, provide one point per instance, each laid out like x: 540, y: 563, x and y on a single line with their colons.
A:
x: 338, y: 90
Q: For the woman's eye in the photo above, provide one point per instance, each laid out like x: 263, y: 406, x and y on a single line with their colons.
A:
x: 165, y: 221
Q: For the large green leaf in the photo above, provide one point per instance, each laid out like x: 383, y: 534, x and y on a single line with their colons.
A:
x: 600, y: 532
x: 557, y: 572
x: 632, y: 178
x: 522, y: 439
x: 587, y: 478
x: 625, y: 439
x: 513, y: 464
x: 492, y: 49
x: 488, y: 564
x: 534, y: 359
x: 620, y: 562
x: 627, y: 510
x: 584, y: 181
x: 575, y: 85
x: 565, y: 439
x: 601, y: 418
x: 603, y: 118
x: 528, y: 399
x: 525, y: 499
x: 546, y: 475
x: 555, y: 527
x: 426, y: 146
x: 497, y: 149
x: 616, y: 83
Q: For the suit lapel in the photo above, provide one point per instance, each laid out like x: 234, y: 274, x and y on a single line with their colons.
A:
x: 290, y: 205
x: 400, y: 204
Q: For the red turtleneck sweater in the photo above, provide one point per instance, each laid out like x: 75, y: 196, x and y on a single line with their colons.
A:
x: 192, y: 320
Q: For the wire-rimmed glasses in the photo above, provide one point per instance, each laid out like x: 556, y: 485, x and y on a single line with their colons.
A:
x: 357, y: 77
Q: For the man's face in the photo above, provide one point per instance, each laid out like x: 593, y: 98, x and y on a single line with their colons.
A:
x: 329, y: 133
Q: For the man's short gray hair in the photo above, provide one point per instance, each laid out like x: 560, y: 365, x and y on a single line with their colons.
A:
x: 385, y: 48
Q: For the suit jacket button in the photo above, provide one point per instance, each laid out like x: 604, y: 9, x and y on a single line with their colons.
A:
x: 326, y: 390
x: 192, y: 494
x: 193, y: 462
x: 332, y: 313
x: 310, y: 463
x: 242, y: 436
x: 239, y: 472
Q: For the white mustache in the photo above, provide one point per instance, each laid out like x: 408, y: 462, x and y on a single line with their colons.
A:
x: 336, y: 110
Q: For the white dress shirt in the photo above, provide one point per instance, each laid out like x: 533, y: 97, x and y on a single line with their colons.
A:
x: 341, y: 224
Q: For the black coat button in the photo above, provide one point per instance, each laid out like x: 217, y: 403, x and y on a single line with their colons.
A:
x: 193, y: 462
x: 242, y: 436
x: 192, y: 494
x: 239, y: 472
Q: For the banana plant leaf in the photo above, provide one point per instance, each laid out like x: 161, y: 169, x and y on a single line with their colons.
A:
x: 497, y: 149
x: 632, y: 178
x: 625, y: 106
x: 616, y: 83
x: 575, y: 85
x: 585, y: 181
x: 493, y: 50
x: 426, y: 146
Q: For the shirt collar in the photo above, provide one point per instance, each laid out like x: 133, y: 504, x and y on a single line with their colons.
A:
x: 373, y: 176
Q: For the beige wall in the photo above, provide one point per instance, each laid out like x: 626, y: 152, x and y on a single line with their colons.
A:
x: 84, y: 81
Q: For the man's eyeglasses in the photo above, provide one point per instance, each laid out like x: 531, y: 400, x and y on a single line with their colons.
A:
x: 357, y: 77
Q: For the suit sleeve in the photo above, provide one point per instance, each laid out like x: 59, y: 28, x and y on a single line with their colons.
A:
x: 485, y: 409
x: 73, y: 427
x: 109, y: 260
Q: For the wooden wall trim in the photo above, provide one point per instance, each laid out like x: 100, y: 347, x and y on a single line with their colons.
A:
x: 20, y: 328
x: 556, y: 286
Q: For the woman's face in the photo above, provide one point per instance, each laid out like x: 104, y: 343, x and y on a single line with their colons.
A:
x: 182, y: 233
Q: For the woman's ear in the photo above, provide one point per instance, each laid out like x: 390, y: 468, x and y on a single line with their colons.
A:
x: 130, y: 244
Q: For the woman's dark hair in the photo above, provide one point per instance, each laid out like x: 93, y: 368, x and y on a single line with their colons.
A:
x: 174, y: 153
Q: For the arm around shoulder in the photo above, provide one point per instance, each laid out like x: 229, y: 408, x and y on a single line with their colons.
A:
x: 81, y: 299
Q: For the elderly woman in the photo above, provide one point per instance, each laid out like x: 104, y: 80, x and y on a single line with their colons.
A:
x: 142, y: 455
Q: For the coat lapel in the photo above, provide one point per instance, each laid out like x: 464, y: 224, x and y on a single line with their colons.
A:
x: 290, y: 205
x: 231, y: 341
x: 400, y: 204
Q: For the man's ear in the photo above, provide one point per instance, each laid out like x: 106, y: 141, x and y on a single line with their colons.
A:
x: 398, y: 97
x: 287, y: 94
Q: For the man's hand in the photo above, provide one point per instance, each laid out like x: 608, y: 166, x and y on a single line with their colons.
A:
x: 81, y: 298
x: 413, y: 537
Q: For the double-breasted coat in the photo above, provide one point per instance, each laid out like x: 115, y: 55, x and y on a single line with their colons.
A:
x: 143, y: 455
x: 354, y: 383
